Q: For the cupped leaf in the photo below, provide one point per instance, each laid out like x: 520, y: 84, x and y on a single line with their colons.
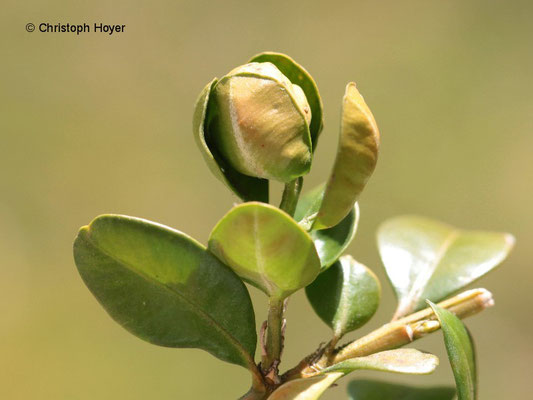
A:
x: 427, y: 259
x: 378, y: 390
x: 246, y: 187
x: 266, y: 248
x: 306, y: 388
x: 166, y: 288
x: 332, y: 242
x: 259, y: 123
x: 460, y: 349
x: 345, y: 296
x: 356, y: 159
x: 403, y: 361
x: 299, y: 76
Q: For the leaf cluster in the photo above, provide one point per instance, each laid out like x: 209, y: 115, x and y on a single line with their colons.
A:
x: 170, y: 290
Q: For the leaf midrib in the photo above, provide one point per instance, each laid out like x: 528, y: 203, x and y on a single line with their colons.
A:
x: 260, y: 262
x: 194, y: 306
x: 424, y: 278
x: 342, y: 314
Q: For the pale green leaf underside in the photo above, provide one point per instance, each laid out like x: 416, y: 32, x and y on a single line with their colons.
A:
x: 355, y: 161
x: 427, y: 259
x: 299, y: 76
x: 378, y: 390
x: 345, y: 296
x: 460, y: 350
x: 266, y: 248
x: 305, y: 389
x: 165, y: 288
x: 403, y: 361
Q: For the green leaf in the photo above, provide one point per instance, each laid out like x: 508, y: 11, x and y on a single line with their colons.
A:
x: 403, y: 361
x: 266, y: 248
x: 426, y: 259
x: 309, y: 203
x: 345, y: 296
x: 306, y: 388
x: 246, y: 187
x: 460, y: 348
x: 330, y: 243
x: 166, y: 288
x: 378, y: 390
x: 299, y: 76
x: 356, y: 159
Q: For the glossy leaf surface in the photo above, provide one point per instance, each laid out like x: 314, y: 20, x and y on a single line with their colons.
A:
x: 266, y: 248
x: 403, y: 361
x: 356, y: 159
x: 305, y: 389
x: 299, y: 76
x: 345, y: 296
x: 378, y: 390
x: 460, y: 349
x: 166, y: 288
x: 427, y: 259
x: 332, y: 242
x: 246, y: 187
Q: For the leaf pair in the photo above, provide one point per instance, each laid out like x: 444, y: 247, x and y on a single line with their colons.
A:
x: 167, y: 289
x: 246, y: 187
x: 356, y: 156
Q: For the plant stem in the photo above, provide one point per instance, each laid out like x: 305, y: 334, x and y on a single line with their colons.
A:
x: 394, y: 334
x: 273, y: 334
x: 291, y: 193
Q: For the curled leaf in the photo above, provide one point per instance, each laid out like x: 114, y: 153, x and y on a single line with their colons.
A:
x: 356, y: 159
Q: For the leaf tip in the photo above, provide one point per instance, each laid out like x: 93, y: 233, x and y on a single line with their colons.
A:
x: 510, y: 240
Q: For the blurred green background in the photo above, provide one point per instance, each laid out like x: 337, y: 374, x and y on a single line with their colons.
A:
x: 96, y: 124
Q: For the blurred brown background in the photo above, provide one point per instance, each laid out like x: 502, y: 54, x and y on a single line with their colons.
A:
x: 94, y: 124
